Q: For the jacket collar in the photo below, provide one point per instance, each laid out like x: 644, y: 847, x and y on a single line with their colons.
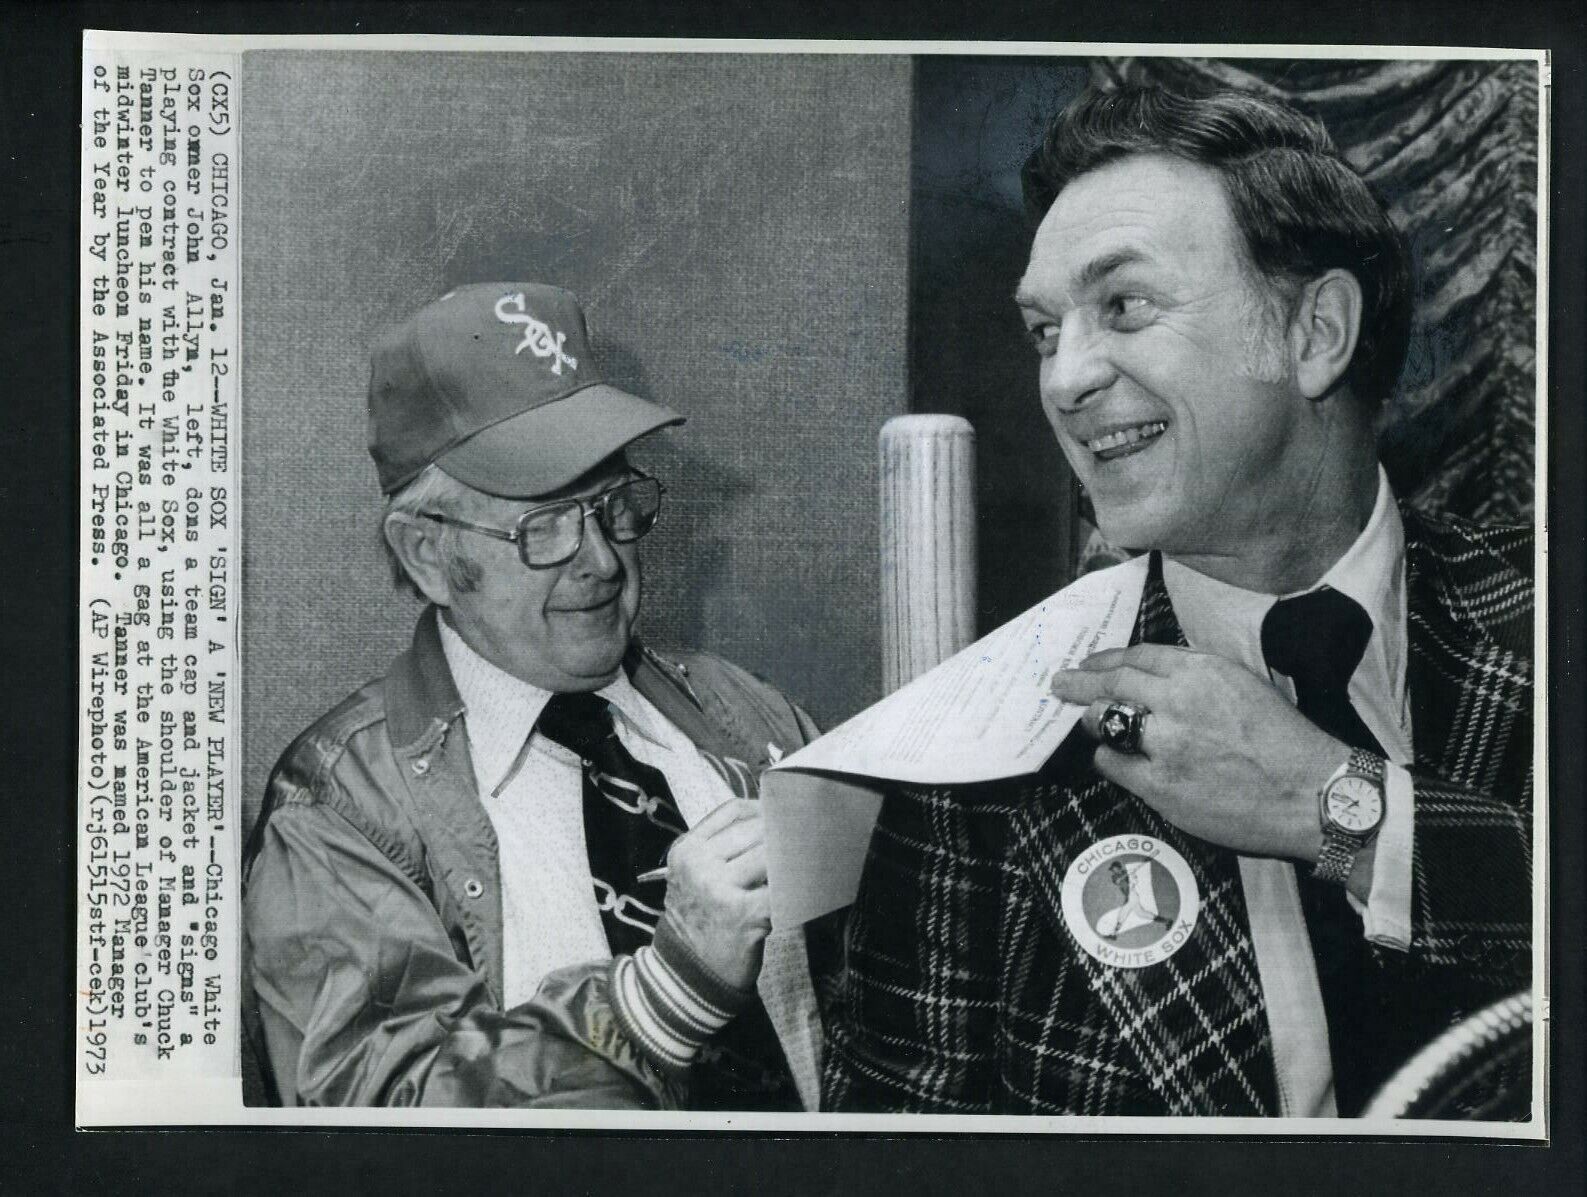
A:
x: 1453, y: 657
x: 419, y: 686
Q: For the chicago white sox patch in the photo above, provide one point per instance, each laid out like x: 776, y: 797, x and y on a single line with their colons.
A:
x: 538, y: 336
x: 1130, y: 901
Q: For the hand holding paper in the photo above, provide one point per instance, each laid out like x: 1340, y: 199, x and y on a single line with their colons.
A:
x: 985, y: 713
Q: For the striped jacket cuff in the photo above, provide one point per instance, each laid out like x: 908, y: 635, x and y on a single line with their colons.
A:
x: 669, y: 1002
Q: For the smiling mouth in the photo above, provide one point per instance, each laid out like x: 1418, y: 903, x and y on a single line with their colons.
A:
x: 1124, y: 441
x: 597, y: 606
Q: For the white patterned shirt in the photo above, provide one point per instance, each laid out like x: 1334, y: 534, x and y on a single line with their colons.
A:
x: 533, y: 791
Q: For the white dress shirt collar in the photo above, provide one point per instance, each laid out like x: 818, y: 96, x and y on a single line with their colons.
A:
x: 501, y: 710
x: 1219, y: 618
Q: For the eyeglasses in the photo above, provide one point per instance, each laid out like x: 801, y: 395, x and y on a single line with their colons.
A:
x: 552, y: 533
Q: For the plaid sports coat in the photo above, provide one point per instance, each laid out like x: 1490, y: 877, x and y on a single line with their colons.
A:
x: 966, y: 992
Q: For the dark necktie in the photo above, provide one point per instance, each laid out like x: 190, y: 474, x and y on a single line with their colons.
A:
x: 630, y: 818
x: 1317, y: 640
x: 630, y: 821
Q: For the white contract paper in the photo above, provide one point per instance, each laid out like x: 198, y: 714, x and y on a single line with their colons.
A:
x: 986, y: 712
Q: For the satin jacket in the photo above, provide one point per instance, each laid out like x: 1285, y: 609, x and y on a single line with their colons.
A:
x: 372, y: 905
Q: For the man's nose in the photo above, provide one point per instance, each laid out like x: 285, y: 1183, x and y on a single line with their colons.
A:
x: 1079, y: 370
x: 596, y: 555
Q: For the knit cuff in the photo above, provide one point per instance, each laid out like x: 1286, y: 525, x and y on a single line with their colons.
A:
x: 670, y: 1002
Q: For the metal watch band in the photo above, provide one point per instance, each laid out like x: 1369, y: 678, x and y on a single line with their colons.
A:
x: 1339, y: 848
x: 1365, y: 764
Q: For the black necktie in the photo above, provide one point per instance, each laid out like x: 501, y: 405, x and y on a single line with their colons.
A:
x: 630, y: 821
x: 1317, y: 640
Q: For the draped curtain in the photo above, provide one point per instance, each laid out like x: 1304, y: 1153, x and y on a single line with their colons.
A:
x: 1451, y: 148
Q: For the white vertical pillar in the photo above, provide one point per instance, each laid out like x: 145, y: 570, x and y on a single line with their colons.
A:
x: 928, y: 543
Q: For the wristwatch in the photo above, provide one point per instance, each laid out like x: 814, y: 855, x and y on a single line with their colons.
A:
x: 1351, y: 808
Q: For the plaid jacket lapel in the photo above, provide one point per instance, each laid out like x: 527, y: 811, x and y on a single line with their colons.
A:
x: 1470, y: 663
x: 1196, y: 1022
x: 1470, y: 610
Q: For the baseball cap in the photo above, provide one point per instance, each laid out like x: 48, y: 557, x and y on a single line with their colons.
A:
x: 495, y: 383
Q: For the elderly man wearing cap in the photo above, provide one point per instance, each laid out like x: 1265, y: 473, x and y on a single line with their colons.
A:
x: 525, y: 867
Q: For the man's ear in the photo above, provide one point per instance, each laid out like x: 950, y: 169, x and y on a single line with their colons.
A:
x: 1324, y: 332
x: 417, y: 544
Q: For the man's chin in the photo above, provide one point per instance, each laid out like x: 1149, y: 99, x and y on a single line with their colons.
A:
x: 1132, y: 531
x: 595, y: 667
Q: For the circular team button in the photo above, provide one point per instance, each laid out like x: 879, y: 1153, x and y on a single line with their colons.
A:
x: 1130, y: 901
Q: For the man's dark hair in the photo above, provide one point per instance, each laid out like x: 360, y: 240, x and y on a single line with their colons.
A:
x: 1301, y: 209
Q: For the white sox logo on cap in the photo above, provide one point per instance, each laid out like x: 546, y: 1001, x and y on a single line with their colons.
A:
x: 1130, y: 901
x: 537, y: 335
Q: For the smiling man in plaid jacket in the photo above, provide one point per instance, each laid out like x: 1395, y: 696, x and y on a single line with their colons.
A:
x: 1303, y: 844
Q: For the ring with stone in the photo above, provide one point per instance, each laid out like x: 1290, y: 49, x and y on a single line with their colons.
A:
x: 1121, y: 726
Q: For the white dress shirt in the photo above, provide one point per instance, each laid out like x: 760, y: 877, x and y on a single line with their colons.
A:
x: 1222, y: 619
x: 534, y: 795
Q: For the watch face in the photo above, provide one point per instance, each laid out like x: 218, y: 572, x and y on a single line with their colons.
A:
x: 1355, y: 804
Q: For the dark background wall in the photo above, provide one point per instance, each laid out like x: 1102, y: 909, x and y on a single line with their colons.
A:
x: 737, y: 227
x: 976, y: 119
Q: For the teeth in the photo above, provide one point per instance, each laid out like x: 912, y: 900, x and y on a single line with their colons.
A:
x: 1126, y: 436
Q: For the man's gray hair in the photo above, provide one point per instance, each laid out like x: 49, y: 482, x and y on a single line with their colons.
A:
x: 433, y: 490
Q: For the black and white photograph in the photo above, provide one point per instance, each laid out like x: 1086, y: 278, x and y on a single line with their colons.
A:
x: 814, y: 587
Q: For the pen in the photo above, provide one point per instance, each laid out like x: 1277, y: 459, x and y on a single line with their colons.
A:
x: 652, y: 875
